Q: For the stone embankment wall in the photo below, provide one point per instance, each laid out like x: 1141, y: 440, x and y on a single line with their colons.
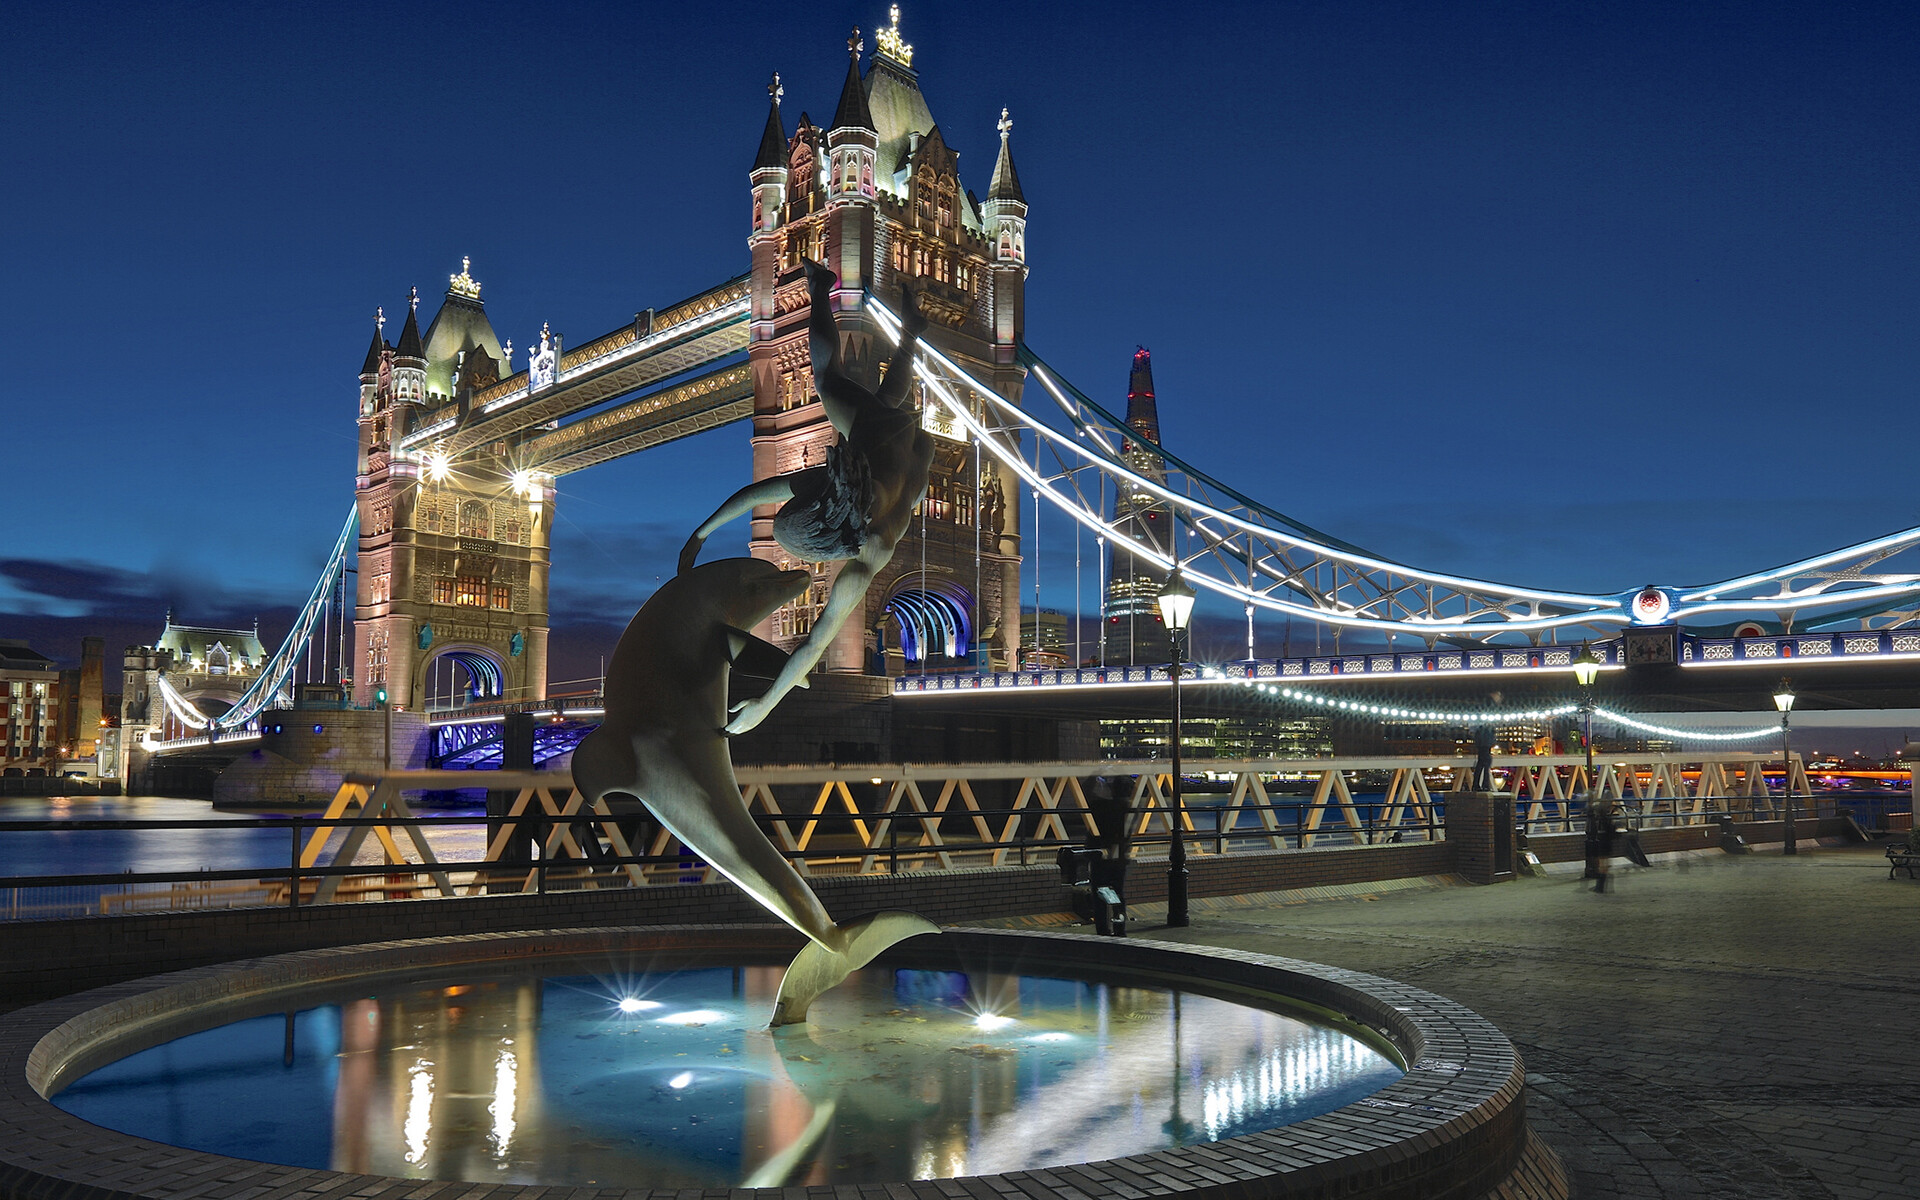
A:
x: 303, y: 764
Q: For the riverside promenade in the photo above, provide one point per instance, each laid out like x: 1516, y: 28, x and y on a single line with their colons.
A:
x: 1718, y: 1026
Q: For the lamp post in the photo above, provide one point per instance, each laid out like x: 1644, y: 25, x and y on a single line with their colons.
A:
x: 1586, y: 669
x: 1783, y: 700
x: 1176, y: 609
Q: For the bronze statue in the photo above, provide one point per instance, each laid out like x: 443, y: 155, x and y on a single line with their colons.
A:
x: 859, y: 504
x: 661, y: 743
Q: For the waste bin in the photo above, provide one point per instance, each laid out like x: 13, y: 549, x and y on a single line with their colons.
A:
x: 1097, y: 888
x: 1110, y: 896
x: 1730, y: 840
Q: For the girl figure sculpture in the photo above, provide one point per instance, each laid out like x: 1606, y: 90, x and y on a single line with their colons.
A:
x: 859, y: 504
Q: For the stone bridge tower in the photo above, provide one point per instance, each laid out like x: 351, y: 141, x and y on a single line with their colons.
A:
x: 876, y: 196
x: 453, y: 553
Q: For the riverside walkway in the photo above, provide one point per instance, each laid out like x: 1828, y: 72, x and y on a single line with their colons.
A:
x: 1719, y: 1026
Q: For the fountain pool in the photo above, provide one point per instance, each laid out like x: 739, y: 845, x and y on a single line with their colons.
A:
x: 635, y: 1060
x: 671, y: 1078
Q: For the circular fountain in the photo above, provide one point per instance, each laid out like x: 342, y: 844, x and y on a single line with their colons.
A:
x: 635, y: 1060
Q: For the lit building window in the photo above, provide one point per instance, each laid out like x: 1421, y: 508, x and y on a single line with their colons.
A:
x: 475, y: 522
x: 469, y: 592
x: 502, y: 596
x: 443, y: 591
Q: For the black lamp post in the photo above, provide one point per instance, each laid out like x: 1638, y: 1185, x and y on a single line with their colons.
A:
x: 1783, y: 700
x: 1176, y: 609
x: 1586, y: 669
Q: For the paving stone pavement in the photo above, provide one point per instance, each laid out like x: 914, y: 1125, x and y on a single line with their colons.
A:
x: 1718, y: 1026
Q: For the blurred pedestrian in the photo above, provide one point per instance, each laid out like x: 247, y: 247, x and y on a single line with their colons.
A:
x: 1603, y: 829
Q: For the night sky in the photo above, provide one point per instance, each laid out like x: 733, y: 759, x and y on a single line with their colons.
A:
x: 1574, y: 296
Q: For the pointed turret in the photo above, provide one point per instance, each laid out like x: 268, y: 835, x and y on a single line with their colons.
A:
x: 371, y: 367
x: 410, y: 358
x: 1006, y: 180
x: 410, y: 346
x: 853, y: 146
x: 853, y: 112
x: 1005, y: 217
x: 773, y: 142
x: 1143, y: 413
x: 769, y: 174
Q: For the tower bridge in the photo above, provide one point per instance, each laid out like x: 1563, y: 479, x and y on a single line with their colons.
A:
x: 449, y: 543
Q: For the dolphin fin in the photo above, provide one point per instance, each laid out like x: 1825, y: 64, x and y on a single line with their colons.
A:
x: 816, y: 969
x: 754, y: 656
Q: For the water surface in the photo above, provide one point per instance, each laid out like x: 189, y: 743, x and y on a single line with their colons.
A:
x: 900, y: 1074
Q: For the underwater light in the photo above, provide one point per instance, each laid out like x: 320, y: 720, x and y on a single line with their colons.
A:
x: 991, y: 1021
x: 681, y: 1080
x: 693, y: 1016
x: 633, y: 1004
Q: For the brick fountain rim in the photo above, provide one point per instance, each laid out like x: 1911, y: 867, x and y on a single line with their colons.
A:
x: 1454, y: 1124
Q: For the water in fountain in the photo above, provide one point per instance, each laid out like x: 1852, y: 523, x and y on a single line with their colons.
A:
x: 669, y: 1079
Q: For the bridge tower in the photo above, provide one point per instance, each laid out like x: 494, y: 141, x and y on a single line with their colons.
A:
x: 1133, y: 633
x: 453, y: 555
x: 877, y: 197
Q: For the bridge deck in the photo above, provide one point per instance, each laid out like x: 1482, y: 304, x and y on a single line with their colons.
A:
x: 696, y: 333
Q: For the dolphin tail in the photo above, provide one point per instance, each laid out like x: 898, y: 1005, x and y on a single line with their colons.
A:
x: 816, y: 968
x: 776, y: 1171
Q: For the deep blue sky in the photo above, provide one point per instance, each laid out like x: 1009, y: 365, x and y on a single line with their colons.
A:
x: 1580, y: 296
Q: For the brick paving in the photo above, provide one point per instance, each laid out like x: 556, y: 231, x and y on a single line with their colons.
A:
x: 1718, y: 1026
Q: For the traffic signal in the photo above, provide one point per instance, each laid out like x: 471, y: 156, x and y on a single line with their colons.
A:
x: 380, y: 696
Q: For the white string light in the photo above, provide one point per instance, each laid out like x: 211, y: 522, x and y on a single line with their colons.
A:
x: 1411, y: 714
x: 1685, y: 734
x: 1490, y: 717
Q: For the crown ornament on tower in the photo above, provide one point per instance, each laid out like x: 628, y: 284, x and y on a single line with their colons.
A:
x: 464, y: 284
x: 888, y: 41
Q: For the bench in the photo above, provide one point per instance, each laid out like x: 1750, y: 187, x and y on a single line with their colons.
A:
x: 1902, y: 856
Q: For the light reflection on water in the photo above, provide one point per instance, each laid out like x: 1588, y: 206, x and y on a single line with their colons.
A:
x: 108, y: 851
x: 896, y: 1077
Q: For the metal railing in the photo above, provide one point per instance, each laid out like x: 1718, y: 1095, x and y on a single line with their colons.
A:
x: 817, y: 844
x: 869, y: 819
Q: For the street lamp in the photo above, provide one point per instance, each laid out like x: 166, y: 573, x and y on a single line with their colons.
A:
x: 1783, y: 700
x: 1176, y: 609
x: 1586, y: 669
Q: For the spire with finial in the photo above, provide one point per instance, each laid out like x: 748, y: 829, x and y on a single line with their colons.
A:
x: 773, y: 141
x: 410, y: 346
x: 1006, y: 180
x: 853, y: 112
x: 888, y: 41
x: 372, y: 365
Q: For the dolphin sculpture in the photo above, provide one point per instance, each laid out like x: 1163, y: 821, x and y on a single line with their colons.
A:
x: 662, y: 743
